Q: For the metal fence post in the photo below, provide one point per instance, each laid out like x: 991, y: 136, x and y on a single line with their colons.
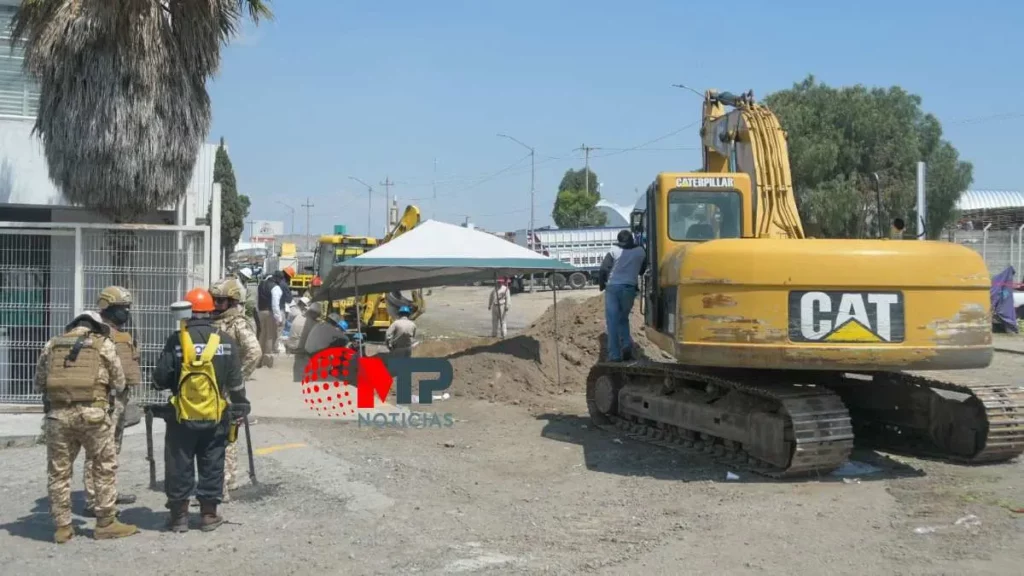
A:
x: 78, y: 304
x: 984, y: 243
x: 1020, y: 248
x: 206, y: 246
x: 215, y: 240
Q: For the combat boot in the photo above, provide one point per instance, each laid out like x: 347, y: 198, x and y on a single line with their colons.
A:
x: 110, y: 527
x: 211, y: 520
x: 64, y: 534
x: 179, y: 517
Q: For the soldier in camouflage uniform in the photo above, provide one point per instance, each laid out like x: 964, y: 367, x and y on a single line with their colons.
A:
x: 77, y: 373
x: 228, y: 298
x: 115, y: 303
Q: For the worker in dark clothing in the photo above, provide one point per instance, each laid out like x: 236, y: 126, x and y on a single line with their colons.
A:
x: 202, y: 408
x: 284, y: 277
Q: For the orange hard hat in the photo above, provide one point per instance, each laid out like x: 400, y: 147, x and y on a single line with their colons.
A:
x: 317, y: 281
x: 200, y: 299
x: 289, y: 271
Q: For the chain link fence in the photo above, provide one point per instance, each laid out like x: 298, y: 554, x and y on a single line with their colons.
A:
x: 999, y: 248
x: 51, y: 272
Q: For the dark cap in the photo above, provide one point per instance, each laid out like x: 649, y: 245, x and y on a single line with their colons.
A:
x: 625, y: 239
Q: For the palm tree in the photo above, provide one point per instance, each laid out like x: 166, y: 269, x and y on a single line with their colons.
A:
x: 123, y: 107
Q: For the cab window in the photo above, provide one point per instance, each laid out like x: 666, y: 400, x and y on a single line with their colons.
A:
x: 698, y: 215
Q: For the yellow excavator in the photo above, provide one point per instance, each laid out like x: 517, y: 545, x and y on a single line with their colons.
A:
x: 788, y: 348
x: 376, y: 311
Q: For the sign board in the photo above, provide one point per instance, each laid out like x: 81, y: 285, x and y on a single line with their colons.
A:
x: 339, y: 229
x: 266, y: 230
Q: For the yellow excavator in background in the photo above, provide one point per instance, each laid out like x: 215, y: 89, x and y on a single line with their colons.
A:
x: 377, y: 311
x: 789, y: 348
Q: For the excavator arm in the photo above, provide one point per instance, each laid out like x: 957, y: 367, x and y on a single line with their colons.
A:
x: 409, y: 220
x: 750, y: 140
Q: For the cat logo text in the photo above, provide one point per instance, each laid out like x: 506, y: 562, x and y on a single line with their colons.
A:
x: 846, y: 317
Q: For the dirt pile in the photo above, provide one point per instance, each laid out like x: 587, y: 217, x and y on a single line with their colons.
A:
x: 525, y: 369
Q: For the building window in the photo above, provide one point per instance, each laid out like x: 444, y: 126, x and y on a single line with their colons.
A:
x: 19, y: 93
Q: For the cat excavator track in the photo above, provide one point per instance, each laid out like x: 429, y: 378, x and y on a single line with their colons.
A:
x: 919, y: 416
x: 774, y: 428
x: 780, y: 428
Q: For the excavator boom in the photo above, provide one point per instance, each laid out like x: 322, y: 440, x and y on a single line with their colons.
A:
x: 372, y: 304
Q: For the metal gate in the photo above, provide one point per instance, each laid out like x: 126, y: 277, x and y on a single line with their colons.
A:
x: 49, y: 272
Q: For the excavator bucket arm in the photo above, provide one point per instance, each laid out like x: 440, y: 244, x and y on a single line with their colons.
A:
x: 409, y: 220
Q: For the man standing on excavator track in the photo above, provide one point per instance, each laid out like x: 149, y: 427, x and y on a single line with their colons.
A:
x: 618, y: 278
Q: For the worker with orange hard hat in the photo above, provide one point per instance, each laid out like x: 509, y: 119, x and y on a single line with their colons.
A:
x: 202, y: 368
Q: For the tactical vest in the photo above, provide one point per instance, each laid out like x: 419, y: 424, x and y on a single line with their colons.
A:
x: 125, y: 345
x: 73, y: 372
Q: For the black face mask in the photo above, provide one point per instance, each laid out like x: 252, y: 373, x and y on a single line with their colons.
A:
x: 119, y: 315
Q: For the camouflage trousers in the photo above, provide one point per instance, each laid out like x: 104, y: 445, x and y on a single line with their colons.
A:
x: 87, y: 471
x: 68, y: 431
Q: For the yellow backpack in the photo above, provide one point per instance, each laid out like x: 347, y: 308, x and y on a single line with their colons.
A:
x: 199, y: 401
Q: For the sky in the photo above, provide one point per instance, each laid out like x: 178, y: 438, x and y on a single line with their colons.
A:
x: 336, y: 89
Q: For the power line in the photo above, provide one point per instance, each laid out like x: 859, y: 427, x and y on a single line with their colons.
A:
x: 658, y: 139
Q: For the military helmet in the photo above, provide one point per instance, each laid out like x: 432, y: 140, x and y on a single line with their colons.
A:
x: 113, y: 296
x: 228, y: 288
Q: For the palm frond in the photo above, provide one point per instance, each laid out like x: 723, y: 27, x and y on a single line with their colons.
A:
x: 123, y: 107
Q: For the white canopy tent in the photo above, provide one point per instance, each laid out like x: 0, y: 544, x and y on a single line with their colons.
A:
x: 433, y: 254
x: 437, y: 254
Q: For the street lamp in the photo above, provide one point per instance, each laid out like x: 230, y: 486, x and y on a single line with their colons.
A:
x: 529, y: 238
x: 291, y: 227
x: 369, y: 206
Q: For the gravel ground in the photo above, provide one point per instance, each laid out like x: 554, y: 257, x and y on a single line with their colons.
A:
x: 538, y: 491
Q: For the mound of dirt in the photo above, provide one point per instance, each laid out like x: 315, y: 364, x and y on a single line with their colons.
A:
x: 525, y: 369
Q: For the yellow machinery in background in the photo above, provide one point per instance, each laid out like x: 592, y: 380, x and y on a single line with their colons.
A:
x: 376, y: 310
x: 789, y: 348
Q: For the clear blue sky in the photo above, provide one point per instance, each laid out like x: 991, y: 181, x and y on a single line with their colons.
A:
x: 333, y: 89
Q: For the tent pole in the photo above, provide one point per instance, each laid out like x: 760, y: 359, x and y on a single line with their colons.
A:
x: 558, y: 361
x: 359, y: 316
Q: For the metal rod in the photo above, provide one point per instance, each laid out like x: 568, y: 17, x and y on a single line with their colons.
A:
x: 149, y: 449
x: 558, y: 361
x: 248, y: 447
x: 922, y: 202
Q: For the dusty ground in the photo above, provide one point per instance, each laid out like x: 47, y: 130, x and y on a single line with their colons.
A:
x: 462, y: 310
x: 532, y: 488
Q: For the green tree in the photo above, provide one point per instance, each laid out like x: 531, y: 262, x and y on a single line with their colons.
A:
x: 578, y: 180
x: 234, y: 207
x: 839, y: 137
x: 125, y: 142
x: 576, y: 209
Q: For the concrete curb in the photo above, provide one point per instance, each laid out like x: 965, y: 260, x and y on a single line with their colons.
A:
x: 21, y: 408
x: 18, y: 441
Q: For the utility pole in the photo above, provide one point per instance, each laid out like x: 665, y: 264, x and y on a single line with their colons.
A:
x: 387, y: 184
x: 369, y: 205
x: 252, y: 231
x: 533, y: 181
x: 307, y: 206
x: 586, y: 165
x: 291, y: 228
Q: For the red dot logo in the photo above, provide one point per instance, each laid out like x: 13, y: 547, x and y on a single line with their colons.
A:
x: 323, y: 391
